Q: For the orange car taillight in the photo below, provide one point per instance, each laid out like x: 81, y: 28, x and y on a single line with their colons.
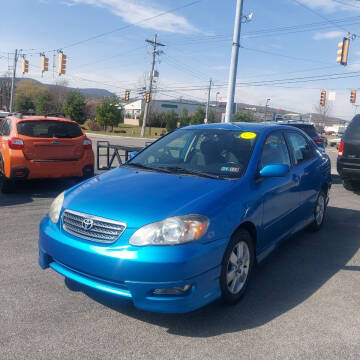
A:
x: 15, y: 143
x: 341, y: 149
x: 87, y: 144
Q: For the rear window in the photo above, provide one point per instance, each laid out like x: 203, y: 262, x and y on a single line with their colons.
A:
x: 353, y: 130
x: 49, y: 129
x: 310, y: 130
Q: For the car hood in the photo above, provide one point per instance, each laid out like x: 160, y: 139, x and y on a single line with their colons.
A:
x: 139, y: 197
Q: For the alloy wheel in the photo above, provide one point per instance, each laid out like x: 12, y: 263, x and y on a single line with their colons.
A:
x: 238, y: 267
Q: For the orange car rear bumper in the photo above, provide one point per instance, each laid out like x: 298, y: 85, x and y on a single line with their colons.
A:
x: 50, y: 169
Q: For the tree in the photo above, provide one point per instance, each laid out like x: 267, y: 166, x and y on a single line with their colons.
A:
x: 29, y: 88
x: 185, y: 118
x: 198, y: 117
x: 211, y: 117
x: 324, y: 112
x: 5, y: 89
x: 109, y: 113
x: 91, y: 106
x: 24, y: 104
x: 74, y: 107
x: 242, y: 116
x: 59, y: 93
x: 44, y: 104
x: 172, y: 119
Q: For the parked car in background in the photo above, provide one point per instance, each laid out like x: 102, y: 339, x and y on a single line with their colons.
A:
x: 185, y: 221
x: 34, y: 147
x: 348, y: 162
x: 3, y: 114
x: 329, y: 133
x: 310, y: 130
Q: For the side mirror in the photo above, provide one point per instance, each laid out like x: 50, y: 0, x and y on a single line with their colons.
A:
x: 133, y: 154
x: 275, y: 170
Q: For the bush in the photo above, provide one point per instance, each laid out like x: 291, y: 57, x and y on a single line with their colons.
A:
x: 92, y: 125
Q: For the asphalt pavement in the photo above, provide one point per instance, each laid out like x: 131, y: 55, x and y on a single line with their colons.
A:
x: 303, y: 303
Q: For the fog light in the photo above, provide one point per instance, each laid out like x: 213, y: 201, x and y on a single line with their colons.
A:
x: 174, y: 291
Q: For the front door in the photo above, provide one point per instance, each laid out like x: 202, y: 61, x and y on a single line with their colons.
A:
x: 280, y: 197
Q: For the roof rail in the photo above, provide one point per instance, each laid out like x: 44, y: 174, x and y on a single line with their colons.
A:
x: 56, y: 114
x: 17, y: 114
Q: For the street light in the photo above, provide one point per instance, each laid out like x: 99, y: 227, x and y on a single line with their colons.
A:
x: 266, y: 107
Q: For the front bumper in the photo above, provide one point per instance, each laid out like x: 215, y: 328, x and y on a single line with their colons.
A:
x: 134, y: 273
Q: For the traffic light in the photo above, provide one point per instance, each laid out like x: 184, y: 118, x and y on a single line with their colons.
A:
x: 62, y: 64
x: 353, y: 97
x: 127, y: 95
x: 44, y: 64
x: 343, y: 52
x: 147, y: 97
x: 25, y: 66
x: 323, y: 98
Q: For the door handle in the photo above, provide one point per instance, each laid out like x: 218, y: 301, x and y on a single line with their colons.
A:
x: 296, y: 179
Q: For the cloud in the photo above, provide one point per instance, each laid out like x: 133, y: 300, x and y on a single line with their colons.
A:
x: 136, y: 11
x: 329, y: 35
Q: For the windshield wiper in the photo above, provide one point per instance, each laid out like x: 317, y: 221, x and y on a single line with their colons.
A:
x: 145, y: 167
x: 181, y: 170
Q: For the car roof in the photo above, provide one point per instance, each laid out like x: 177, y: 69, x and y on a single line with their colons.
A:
x: 39, y: 118
x: 240, y: 126
x: 295, y: 123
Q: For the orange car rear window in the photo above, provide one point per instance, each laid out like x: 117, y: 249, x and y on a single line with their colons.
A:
x: 49, y: 129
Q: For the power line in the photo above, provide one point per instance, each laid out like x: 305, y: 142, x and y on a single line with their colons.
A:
x: 322, y: 16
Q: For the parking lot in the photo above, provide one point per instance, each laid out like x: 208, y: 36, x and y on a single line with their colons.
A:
x: 303, y: 303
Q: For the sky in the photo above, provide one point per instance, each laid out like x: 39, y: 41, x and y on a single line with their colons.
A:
x: 291, y: 41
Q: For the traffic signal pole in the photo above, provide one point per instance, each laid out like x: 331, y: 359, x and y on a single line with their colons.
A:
x: 13, y: 82
x: 155, y: 52
x: 234, y: 61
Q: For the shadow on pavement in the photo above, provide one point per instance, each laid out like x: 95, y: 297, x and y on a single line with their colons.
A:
x: 290, y: 276
x: 25, y: 192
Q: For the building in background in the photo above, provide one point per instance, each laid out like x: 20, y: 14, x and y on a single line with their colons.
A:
x: 133, y: 110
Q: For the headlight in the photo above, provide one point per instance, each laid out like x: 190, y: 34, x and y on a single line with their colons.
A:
x: 55, y: 208
x: 172, y: 231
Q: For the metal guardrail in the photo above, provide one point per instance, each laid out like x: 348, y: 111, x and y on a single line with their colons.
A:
x: 120, y: 153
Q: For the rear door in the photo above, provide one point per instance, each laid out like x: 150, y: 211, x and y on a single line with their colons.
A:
x: 307, y: 170
x: 50, y: 140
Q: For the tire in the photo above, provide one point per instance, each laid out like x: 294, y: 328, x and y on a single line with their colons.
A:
x: 237, y: 269
x: 319, y: 212
x: 348, y: 184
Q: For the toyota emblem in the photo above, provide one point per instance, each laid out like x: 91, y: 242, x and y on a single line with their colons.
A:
x: 87, y: 224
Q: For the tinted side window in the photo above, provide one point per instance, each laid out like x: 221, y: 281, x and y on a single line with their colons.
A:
x: 300, y: 148
x: 310, y: 130
x: 353, y: 130
x: 275, y: 150
x: 2, y: 121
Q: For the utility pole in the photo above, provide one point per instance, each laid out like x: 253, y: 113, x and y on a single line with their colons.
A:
x: 234, y: 61
x: 155, y: 52
x: 208, y: 103
x: 16, y: 57
x: 266, y: 109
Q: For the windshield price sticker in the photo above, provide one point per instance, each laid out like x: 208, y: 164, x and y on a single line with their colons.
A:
x: 248, y: 135
x: 230, y: 169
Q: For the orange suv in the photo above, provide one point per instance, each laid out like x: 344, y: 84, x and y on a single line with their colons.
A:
x: 34, y: 147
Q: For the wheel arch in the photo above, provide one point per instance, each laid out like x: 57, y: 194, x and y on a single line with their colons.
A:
x: 251, y: 228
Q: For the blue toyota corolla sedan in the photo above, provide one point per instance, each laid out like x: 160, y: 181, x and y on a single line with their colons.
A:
x: 186, y: 220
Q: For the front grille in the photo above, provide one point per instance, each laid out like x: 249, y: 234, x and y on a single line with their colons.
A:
x: 91, y: 227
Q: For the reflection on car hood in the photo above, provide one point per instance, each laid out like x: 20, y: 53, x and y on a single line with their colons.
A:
x: 138, y: 197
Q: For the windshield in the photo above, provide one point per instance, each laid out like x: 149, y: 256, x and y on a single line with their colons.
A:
x: 310, y: 130
x: 218, y: 153
x: 49, y: 129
